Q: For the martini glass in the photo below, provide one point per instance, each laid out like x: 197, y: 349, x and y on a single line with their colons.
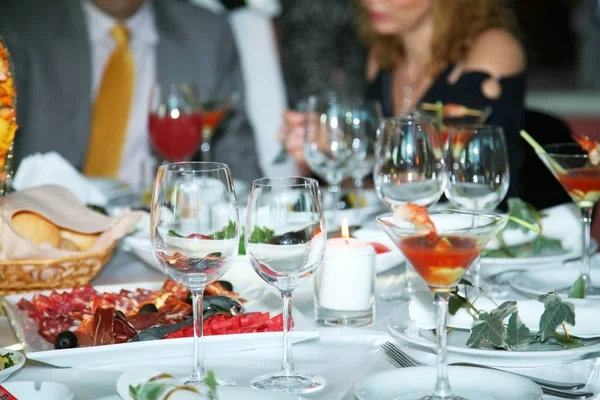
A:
x: 214, y: 111
x: 441, y: 262
x: 449, y: 115
x: 581, y: 179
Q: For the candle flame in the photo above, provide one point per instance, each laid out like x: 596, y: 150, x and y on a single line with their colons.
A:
x: 345, y: 229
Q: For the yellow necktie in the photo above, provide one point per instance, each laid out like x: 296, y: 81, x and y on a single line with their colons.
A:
x: 110, y: 115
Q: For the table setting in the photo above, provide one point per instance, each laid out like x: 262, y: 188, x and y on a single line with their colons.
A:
x: 211, y: 288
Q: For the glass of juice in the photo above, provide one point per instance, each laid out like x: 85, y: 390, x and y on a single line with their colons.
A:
x: 441, y: 256
x: 214, y: 110
x: 579, y: 175
x: 175, y: 122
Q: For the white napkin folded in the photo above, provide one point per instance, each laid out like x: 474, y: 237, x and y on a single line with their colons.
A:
x: 587, y: 324
x: 52, y: 169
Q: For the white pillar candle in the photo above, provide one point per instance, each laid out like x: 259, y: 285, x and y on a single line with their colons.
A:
x: 347, y: 275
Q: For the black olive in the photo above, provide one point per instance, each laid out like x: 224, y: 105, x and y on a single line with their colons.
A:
x: 65, y: 340
x: 226, y: 285
x: 148, y: 308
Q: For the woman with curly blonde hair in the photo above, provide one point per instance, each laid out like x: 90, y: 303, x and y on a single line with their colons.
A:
x: 449, y: 51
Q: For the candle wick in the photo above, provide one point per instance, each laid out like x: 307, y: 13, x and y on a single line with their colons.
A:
x: 346, y: 241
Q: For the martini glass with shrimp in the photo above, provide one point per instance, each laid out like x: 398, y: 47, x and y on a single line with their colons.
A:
x: 441, y: 246
x: 577, y: 167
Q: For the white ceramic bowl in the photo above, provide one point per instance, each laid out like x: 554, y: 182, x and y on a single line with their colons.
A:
x: 45, y: 390
x: 20, y: 362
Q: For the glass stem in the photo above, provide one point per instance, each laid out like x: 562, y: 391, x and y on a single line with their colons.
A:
x: 442, y: 385
x: 198, y: 370
x: 205, y: 146
x: 586, y: 221
x: 287, y: 365
x: 335, y: 191
x: 476, y: 268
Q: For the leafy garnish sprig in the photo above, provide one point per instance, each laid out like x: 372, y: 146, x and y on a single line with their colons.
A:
x: 154, y: 390
x: 524, y: 217
x: 228, y: 232
x: 489, y: 328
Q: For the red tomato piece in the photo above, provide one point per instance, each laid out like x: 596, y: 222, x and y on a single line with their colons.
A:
x: 380, y: 248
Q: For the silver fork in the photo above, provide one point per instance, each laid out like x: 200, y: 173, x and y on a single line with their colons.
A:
x: 402, y: 360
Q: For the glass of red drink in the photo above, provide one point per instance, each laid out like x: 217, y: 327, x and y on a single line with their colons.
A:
x: 579, y: 176
x: 441, y: 258
x: 175, y: 122
x: 450, y: 115
x: 214, y: 110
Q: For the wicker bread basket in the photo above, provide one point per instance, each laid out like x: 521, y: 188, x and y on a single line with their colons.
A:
x: 17, y: 276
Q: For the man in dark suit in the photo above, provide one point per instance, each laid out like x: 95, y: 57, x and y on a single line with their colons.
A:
x: 85, y: 69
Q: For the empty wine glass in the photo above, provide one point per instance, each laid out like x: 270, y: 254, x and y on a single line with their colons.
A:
x: 409, y: 167
x: 195, y: 233
x: 285, y: 240
x: 332, y: 138
x: 478, y: 175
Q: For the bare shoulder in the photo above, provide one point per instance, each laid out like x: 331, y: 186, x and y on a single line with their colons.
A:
x: 498, y: 52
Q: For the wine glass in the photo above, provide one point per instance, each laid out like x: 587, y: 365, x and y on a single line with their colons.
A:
x: 332, y: 139
x: 285, y: 240
x: 214, y: 110
x: 195, y: 233
x: 175, y: 122
x: 409, y: 167
x: 580, y: 177
x: 478, y: 174
x: 442, y: 261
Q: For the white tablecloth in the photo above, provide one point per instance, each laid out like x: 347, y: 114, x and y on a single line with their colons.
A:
x: 341, y: 356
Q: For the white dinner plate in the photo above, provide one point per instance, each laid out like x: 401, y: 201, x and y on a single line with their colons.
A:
x: 134, y: 378
x: 470, y: 383
x: 38, y: 349
x: 561, y: 222
x: 560, y: 279
x: 43, y: 390
x: 404, y: 329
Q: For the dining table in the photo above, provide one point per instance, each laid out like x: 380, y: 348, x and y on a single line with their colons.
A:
x: 341, y: 355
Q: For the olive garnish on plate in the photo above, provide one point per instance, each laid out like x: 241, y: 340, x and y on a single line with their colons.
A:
x: 148, y: 308
x: 65, y: 340
x: 226, y: 285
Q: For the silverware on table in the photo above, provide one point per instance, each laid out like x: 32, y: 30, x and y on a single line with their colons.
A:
x: 401, y: 359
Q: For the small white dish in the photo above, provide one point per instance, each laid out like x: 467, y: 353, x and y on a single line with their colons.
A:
x: 44, y: 390
x: 19, y: 363
x: 134, y: 378
x: 470, y: 383
x: 383, y: 261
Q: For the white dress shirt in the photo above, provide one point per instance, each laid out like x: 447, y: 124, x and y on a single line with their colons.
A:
x: 143, y: 40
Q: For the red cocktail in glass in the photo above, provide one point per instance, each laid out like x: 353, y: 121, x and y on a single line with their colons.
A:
x: 214, y: 111
x: 441, y: 247
x: 579, y: 174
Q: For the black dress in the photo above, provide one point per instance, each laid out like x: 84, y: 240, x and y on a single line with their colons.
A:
x: 508, y: 110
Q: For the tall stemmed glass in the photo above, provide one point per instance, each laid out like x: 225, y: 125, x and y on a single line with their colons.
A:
x: 441, y: 261
x: 478, y: 174
x: 409, y: 167
x: 214, y: 110
x: 195, y: 232
x: 580, y: 177
x: 332, y: 125
x: 285, y: 240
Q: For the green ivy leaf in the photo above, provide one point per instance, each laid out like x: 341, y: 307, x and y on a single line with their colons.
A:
x: 545, y: 244
x: 148, y: 391
x: 578, y: 289
x: 570, y: 343
x: 518, y: 209
x: 211, y: 383
x: 489, y: 327
x: 517, y: 334
x: 556, y: 312
x: 466, y: 282
x: 456, y: 302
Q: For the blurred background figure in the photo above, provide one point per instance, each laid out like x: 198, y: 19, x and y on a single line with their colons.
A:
x: 85, y: 70
x: 587, y: 23
x: 266, y: 100
x: 320, y: 49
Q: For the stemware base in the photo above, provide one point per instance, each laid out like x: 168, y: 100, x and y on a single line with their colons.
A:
x: 193, y: 380
x: 472, y: 395
x: 293, y: 384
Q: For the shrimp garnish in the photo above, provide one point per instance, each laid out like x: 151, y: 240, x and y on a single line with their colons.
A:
x: 589, y: 146
x: 418, y: 216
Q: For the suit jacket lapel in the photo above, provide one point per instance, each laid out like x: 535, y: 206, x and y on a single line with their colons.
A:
x: 73, y: 73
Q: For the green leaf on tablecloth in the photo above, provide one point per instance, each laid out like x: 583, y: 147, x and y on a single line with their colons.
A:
x: 570, y: 343
x: 578, y: 289
x: 211, y: 383
x: 520, y: 210
x: 556, y: 312
x: 545, y: 244
x: 517, y: 334
x: 455, y: 303
x: 489, y: 328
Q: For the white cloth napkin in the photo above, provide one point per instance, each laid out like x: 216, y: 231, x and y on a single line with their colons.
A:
x: 52, y: 169
x: 587, y: 324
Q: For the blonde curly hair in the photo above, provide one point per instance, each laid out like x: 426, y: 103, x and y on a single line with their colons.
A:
x: 457, y: 24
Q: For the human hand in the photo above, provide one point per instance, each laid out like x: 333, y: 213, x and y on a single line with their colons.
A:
x: 291, y: 135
